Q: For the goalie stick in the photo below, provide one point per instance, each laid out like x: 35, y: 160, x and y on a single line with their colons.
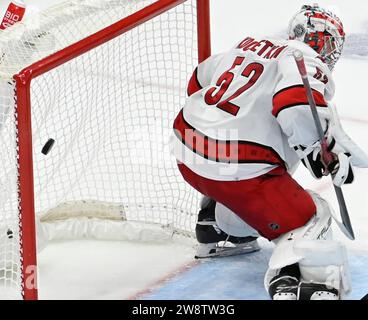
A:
x: 326, y: 156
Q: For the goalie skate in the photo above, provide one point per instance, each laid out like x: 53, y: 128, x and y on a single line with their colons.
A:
x: 213, y: 242
x: 288, y: 286
x: 226, y: 248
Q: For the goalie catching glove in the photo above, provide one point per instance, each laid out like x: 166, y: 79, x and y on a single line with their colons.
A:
x: 346, y: 155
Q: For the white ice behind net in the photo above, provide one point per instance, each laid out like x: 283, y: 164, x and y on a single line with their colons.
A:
x: 110, y: 112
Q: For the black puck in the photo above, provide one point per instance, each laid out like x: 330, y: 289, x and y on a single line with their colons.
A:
x: 9, y: 233
x: 48, y: 146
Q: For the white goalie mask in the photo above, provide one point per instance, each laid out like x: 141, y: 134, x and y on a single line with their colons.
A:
x: 321, y: 30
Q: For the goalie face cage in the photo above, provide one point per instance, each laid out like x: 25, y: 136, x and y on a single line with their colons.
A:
x: 104, y: 79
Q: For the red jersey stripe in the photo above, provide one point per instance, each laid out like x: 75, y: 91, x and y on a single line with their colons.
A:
x: 294, y: 96
x: 221, y: 150
x: 194, y: 85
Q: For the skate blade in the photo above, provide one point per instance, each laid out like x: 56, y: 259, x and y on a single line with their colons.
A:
x: 219, y: 251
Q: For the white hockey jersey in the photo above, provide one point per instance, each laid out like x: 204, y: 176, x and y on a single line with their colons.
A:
x: 247, y: 110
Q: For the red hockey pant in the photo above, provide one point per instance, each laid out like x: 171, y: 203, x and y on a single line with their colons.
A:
x: 273, y: 203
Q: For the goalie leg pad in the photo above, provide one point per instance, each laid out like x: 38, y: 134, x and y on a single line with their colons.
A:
x: 324, y: 262
x: 318, y: 227
x: 320, y: 259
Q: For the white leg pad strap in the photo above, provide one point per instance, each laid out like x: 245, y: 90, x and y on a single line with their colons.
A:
x: 324, y: 261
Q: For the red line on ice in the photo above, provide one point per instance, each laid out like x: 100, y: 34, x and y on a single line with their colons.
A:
x: 164, y: 279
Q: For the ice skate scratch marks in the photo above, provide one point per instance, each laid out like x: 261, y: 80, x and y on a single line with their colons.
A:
x: 165, y: 279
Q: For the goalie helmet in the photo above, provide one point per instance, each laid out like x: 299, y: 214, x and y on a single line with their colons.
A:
x: 321, y: 30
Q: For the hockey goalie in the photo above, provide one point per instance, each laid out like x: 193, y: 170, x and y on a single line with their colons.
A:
x: 243, y: 131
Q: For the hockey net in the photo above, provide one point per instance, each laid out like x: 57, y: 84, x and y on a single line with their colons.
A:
x: 104, y: 79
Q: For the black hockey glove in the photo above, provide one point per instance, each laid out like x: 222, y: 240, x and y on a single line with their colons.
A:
x: 340, y: 168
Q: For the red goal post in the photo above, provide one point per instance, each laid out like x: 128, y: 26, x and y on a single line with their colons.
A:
x: 23, y: 81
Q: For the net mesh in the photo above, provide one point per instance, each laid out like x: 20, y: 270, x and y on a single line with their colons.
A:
x: 110, y: 113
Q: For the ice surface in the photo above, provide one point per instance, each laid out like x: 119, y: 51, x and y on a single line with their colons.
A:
x: 120, y: 270
x: 106, y: 269
x: 241, y: 278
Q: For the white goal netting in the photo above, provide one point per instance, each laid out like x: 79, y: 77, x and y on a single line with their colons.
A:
x: 110, y: 113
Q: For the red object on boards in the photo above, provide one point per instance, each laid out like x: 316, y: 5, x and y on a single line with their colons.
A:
x: 13, y: 14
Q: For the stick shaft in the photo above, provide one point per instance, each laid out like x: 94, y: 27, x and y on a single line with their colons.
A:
x: 326, y: 155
